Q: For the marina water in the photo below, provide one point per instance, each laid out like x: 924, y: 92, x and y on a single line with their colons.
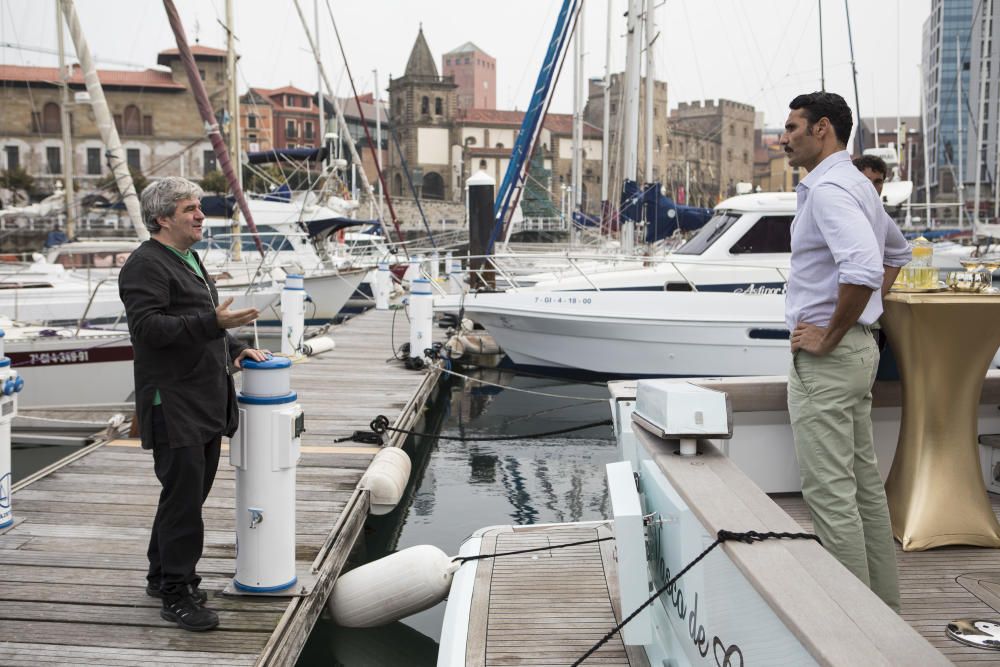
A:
x: 458, y: 487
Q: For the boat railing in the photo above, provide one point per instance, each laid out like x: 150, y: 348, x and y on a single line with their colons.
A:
x: 514, y: 271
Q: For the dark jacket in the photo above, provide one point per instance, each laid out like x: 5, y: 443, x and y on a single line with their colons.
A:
x: 179, y: 348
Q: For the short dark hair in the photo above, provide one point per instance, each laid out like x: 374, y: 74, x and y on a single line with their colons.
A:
x: 873, y: 162
x: 826, y: 105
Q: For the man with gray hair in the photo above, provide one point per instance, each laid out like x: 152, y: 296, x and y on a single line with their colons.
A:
x: 185, y: 399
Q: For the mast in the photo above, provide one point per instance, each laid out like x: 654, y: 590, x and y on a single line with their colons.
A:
x: 630, y: 136
x: 236, y: 249
x: 854, y: 72
x: 320, y: 100
x: 926, y: 147
x: 67, y: 161
x: 378, y: 138
x: 104, y: 121
x: 985, y: 49
x: 208, y: 116
x: 650, y: 73
x: 822, y: 67
x: 958, y: 141
x: 606, y: 116
x: 577, y: 164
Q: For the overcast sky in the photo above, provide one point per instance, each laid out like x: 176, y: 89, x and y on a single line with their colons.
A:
x: 762, y: 52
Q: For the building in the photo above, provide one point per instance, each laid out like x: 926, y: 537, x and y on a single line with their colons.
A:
x: 353, y: 115
x: 594, y: 115
x: 984, y: 77
x: 154, y: 111
x: 711, y: 150
x: 256, y: 122
x: 475, y: 73
x: 443, y: 144
x: 946, y: 40
x: 294, y: 117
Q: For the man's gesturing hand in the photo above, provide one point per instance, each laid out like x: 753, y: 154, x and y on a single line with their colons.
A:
x: 227, y: 319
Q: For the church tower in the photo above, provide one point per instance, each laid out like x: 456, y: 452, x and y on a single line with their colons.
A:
x: 422, y: 109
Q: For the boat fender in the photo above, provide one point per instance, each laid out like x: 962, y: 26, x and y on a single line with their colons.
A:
x: 8, y: 387
x: 454, y: 348
x: 386, y: 479
x: 318, y: 344
x: 480, y: 344
x: 392, y: 588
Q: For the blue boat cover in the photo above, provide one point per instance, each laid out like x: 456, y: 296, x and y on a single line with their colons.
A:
x: 663, y: 214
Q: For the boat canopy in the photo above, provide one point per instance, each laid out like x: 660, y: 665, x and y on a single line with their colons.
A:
x: 320, y: 229
x: 662, y: 214
x: 305, y: 154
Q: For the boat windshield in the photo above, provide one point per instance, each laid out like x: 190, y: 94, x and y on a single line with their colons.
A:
x: 221, y: 237
x: 708, y: 234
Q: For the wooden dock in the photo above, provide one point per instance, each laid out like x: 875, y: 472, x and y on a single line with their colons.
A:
x: 72, y: 574
x: 546, y: 608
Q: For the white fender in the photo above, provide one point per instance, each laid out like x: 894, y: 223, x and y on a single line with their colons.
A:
x: 318, y: 344
x: 386, y: 479
x: 391, y: 588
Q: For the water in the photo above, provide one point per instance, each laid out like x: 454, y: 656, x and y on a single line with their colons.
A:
x: 458, y: 487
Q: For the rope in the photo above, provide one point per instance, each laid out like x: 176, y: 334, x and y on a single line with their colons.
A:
x: 465, y: 559
x: 380, y: 425
x: 523, y: 391
x: 748, y: 537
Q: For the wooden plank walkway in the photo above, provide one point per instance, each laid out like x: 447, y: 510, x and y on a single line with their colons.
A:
x: 932, y: 590
x: 547, y: 607
x: 72, y: 575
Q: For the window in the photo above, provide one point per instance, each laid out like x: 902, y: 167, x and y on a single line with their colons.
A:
x: 438, y: 106
x: 208, y: 160
x: 425, y: 105
x: 131, y: 120
x: 51, y: 119
x: 432, y: 186
x: 52, y: 159
x: 397, y: 185
x: 252, y: 121
x: 309, y: 130
x: 13, y: 157
x: 482, y: 164
x: 219, y: 78
x: 708, y: 234
x: 147, y: 125
x: 132, y: 158
x: 746, y: 158
x: 467, y: 60
x: 201, y: 73
x: 732, y: 130
x: 290, y: 129
x: 93, y: 161
x: 770, y: 234
x: 447, y: 61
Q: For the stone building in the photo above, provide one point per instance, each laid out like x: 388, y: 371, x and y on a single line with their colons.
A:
x: 594, y: 115
x: 475, y: 73
x: 444, y: 144
x: 154, y: 112
x: 715, y: 141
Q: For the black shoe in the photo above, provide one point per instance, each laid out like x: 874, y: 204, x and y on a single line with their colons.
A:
x: 189, y: 615
x: 200, y: 596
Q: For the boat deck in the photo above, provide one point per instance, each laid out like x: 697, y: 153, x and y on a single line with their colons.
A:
x: 547, y: 607
x: 73, y: 572
x: 939, y: 586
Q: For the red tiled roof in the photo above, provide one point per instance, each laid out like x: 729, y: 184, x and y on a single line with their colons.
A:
x: 557, y: 123
x: 284, y: 90
x: 149, y: 78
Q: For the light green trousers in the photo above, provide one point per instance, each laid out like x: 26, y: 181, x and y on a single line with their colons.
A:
x: 830, y: 402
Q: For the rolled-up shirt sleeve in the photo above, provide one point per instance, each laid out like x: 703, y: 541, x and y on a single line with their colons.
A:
x: 897, y: 248
x: 849, y: 235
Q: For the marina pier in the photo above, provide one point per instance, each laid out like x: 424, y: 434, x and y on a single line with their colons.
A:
x: 74, y: 569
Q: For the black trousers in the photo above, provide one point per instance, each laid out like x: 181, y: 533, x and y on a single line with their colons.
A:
x: 178, y: 535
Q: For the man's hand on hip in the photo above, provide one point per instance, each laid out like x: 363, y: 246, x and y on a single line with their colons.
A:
x: 812, y: 339
x: 228, y: 319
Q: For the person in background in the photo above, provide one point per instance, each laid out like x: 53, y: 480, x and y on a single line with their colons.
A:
x: 875, y: 170
x: 184, y: 394
x: 842, y: 240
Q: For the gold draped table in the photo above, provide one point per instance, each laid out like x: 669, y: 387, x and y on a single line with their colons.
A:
x: 943, y: 343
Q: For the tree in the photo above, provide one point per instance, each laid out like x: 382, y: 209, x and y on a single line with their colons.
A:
x: 17, y: 179
x: 215, y: 181
x: 139, y: 181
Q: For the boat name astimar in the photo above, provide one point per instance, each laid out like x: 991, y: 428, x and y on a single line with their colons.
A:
x: 754, y: 288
